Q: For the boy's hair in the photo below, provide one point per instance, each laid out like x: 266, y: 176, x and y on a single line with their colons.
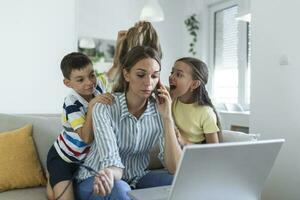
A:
x: 132, y: 57
x: 74, y: 60
x: 200, y: 72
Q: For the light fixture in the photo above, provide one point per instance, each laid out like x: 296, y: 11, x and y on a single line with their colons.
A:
x: 86, y: 43
x: 152, y: 12
x: 244, y: 13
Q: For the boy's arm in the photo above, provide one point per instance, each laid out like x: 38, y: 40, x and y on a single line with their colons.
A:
x: 86, y: 131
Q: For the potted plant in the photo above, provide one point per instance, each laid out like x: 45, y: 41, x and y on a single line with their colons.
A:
x: 192, y: 25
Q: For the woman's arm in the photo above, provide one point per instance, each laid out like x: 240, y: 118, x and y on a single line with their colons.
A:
x: 107, y: 151
x: 172, y: 149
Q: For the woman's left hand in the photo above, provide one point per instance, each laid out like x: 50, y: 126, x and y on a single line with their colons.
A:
x: 164, y: 102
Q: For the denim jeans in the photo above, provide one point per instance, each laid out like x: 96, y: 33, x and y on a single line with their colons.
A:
x: 84, y: 189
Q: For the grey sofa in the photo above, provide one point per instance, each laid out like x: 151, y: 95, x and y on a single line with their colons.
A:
x: 45, y: 130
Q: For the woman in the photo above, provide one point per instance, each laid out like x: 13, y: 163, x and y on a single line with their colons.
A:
x: 127, y: 130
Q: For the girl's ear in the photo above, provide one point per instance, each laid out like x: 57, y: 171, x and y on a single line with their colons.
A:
x: 67, y: 82
x: 195, y: 84
x: 126, y: 75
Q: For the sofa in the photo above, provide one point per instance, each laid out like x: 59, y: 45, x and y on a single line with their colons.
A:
x: 45, y: 129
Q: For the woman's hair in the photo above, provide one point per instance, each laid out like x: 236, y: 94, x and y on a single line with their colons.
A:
x: 135, y: 55
x: 142, y: 34
x: 200, y: 72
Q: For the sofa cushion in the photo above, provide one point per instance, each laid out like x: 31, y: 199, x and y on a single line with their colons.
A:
x: 37, y: 193
x: 45, y: 130
x: 19, y: 163
x: 236, y: 136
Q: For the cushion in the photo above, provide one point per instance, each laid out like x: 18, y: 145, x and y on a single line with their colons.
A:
x: 45, y: 130
x: 236, y: 136
x: 36, y: 193
x: 19, y: 163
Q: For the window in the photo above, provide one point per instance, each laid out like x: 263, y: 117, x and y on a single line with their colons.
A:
x: 229, y: 56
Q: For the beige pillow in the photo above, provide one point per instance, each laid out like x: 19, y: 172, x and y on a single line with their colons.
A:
x: 19, y: 163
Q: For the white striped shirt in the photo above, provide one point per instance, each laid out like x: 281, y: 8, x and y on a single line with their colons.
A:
x: 124, y: 141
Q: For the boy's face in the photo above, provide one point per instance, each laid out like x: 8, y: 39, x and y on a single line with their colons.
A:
x: 83, y: 81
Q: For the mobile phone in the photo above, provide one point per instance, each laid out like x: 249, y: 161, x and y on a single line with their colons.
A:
x: 160, y: 99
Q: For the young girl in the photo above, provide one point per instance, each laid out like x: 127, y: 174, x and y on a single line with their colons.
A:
x: 193, y: 112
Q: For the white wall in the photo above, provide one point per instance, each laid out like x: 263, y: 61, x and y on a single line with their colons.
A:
x: 103, y: 19
x: 275, y: 94
x: 34, y: 37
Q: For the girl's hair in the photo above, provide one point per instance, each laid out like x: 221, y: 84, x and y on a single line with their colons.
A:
x: 200, y: 72
x: 135, y: 55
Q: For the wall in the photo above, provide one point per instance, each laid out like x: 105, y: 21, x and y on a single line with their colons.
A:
x: 275, y: 94
x: 103, y: 19
x: 34, y: 36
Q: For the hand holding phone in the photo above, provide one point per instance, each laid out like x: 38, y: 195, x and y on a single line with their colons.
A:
x: 158, y: 86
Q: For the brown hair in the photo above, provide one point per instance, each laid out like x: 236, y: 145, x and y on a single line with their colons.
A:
x: 200, y: 72
x: 74, y: 60
x: 132, y: 57
x: 142, y: 34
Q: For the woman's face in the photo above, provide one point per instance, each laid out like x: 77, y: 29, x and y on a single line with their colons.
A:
x: 142, y: 77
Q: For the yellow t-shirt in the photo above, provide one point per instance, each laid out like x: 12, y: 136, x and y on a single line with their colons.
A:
x: 194, y: 120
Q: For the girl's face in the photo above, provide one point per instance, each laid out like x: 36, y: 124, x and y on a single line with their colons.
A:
x: 142, y: 77
x: 181, y: 81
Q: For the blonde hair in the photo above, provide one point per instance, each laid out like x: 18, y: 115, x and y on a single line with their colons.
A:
x: 142, y: 34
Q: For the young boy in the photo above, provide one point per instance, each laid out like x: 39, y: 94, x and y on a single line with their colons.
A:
x: 74, y: 142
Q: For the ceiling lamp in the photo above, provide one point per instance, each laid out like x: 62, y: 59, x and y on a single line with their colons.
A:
x: 152, y: 12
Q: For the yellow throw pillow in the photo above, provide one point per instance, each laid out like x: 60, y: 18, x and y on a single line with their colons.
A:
x: 19, y: 163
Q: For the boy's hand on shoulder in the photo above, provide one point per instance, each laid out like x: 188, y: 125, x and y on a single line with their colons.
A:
x: 106, y: 98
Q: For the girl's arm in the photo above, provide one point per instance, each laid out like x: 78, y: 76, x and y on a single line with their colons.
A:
x: 172, y: 151
x: 212, y: 138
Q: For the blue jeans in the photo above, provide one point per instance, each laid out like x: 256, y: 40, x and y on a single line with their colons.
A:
x: 84, y: 189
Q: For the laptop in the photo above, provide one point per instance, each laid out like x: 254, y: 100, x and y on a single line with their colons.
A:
x: 226, y: 171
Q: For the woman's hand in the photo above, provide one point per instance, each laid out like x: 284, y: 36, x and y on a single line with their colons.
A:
x: 104, y: 182
x: 164, y: 107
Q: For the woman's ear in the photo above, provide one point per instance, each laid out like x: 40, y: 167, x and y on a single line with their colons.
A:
x: 126, y: 75
x: 195, y: 84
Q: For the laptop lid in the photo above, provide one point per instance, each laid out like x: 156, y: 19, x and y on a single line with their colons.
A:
x: 225, y: 171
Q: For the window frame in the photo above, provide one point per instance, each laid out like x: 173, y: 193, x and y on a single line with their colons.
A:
x: 243, y: 39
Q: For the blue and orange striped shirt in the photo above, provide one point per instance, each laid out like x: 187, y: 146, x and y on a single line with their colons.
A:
x: 69, y: 145
x: 124, y: 141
